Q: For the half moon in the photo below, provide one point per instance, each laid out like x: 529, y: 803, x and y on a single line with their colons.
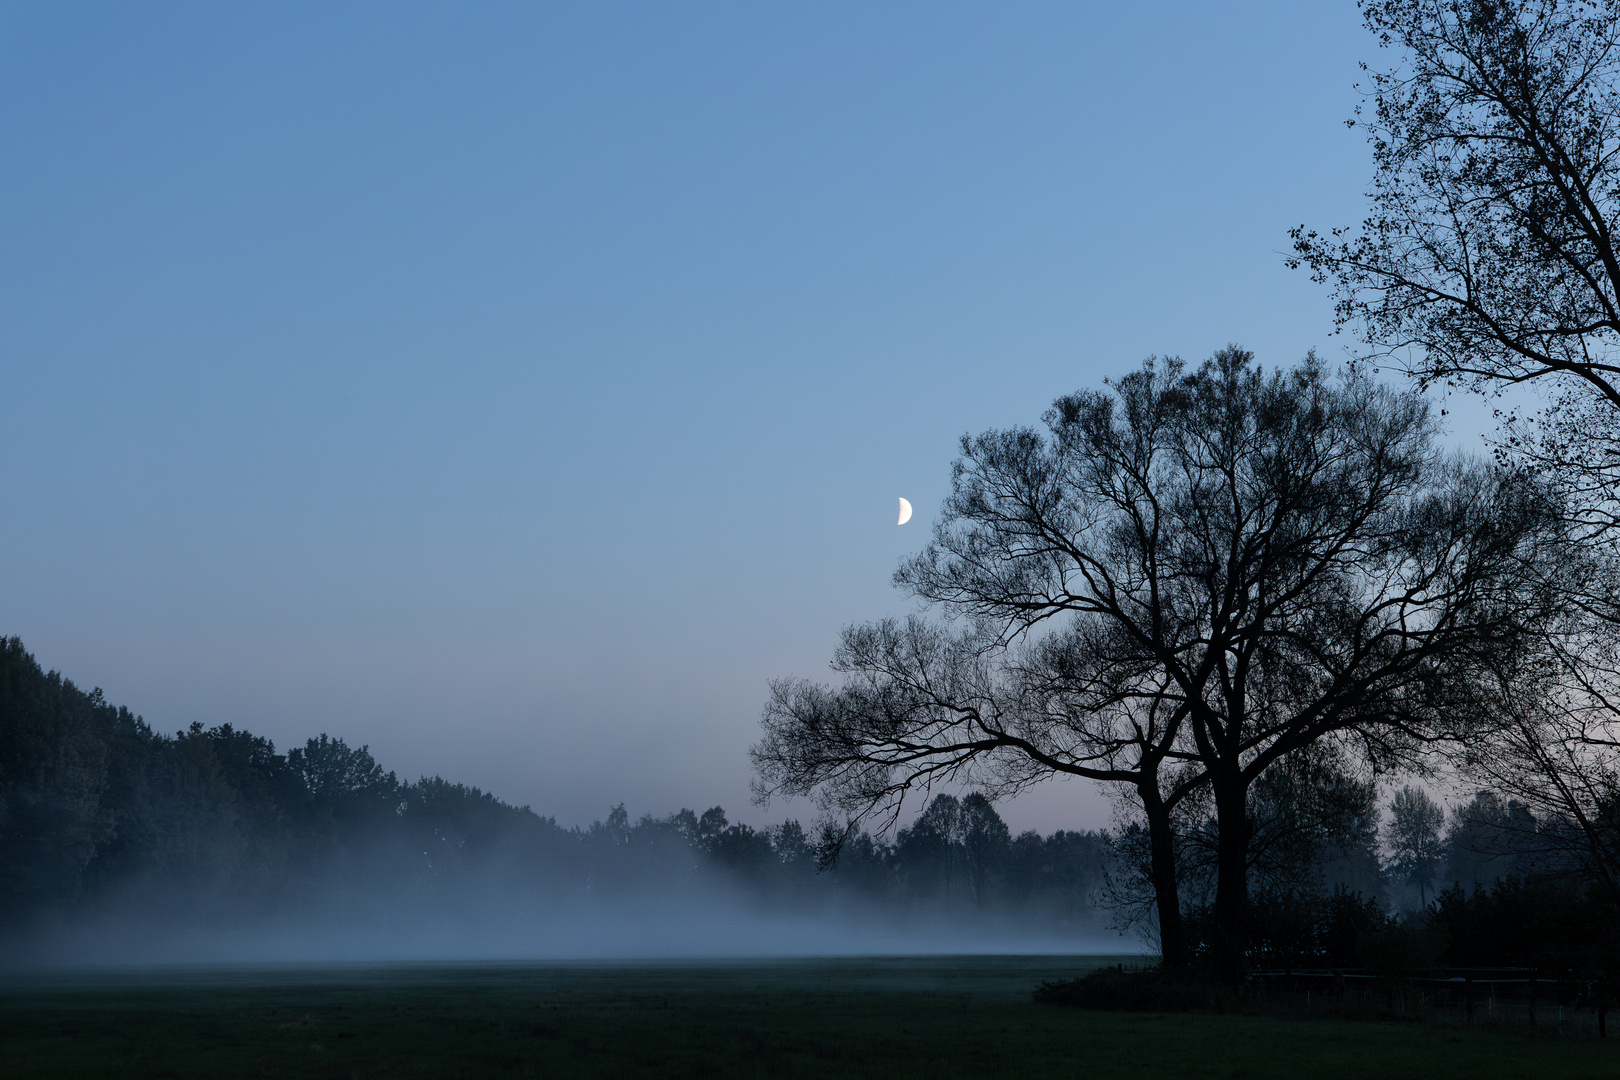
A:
x: 905, y: 512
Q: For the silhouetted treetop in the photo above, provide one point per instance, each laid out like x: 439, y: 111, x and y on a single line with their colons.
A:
x: 1489, y: 255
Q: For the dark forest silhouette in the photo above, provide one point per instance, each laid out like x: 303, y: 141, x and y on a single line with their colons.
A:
x: 100, y: 813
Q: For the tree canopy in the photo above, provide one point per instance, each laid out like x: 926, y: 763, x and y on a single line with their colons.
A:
x: 1184, y: 580
x: 1488, y: 258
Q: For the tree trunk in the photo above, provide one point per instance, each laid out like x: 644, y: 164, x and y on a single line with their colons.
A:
x: 1166, y: 883
x: 1231, y: 879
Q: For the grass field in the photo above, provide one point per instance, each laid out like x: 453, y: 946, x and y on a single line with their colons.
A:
x: 934, y: 1017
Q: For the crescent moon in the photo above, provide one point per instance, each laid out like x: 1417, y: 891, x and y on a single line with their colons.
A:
x: 905, y: 512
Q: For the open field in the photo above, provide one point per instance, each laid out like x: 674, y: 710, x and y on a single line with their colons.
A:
x: 931, y: 1017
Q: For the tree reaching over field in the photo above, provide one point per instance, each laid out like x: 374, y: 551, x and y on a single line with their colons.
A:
x: 1181, y: 582
x: 1489, y: 258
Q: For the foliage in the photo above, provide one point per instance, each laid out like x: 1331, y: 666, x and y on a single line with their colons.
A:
x: 1306, y: 929
x: 1181, y: 583
x: 1117, y: 990
x: 1554, y: 756
x: 1528, y: 921
x: 1414, y: 837
x: 1486, y: 838
x: 1489, y: 261
x: 1488, y: 258
x: 1313, y: 828
x: 55, y: 743
x: 98, y: 811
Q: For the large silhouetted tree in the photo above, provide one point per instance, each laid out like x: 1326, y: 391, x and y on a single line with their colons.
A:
x: 1181, y: 582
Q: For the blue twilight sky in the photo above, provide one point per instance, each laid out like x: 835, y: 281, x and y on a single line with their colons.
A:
x: 516, y: 388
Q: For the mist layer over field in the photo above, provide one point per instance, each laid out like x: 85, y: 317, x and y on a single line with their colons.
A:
x: 123, y: 846
x: 688, y: 926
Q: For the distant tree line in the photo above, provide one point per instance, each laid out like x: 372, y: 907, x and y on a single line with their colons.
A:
x: 99, y: 813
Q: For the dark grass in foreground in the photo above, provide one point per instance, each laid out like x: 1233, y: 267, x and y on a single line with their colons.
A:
x: 902, y: 1017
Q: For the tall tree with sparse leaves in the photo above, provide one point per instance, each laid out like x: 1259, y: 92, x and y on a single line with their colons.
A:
x: 1490, y: 256
x: 1182, y: 582
x: 1414, y: 839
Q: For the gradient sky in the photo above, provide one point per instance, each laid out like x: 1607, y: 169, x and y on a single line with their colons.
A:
x: 517, y: 388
